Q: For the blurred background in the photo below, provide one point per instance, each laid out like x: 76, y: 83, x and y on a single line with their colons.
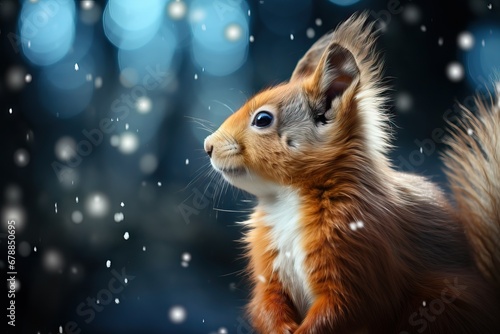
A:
x: 120, y: 225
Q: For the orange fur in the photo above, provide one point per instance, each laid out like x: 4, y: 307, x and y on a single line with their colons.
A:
x: 340, y: 242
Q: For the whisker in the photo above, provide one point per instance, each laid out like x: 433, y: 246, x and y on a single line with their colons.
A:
x: 204, y: 124
x: 229, y: 210
x: 237, y: 272
x: 200, y: 120
x: 240, y: 91
x: 225, y: 105
x: 200, y: 173
x: 207, y: 130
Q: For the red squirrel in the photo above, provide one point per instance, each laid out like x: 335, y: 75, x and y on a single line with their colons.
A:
x: 341, y: 242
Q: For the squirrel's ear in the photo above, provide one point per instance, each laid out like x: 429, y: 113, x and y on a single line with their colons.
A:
x: 307, y: 65
x: 336, y: 71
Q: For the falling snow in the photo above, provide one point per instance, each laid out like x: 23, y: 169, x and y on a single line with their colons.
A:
x: 108, y: 264
x: 186, y: 257
x: 310, y: 33
x: 177, y: 10
x: 97, y: 205
x: 77, y: 67
x: 404, y: 102
x: 455, y: 71
x: 411, y: 14
x: 187, y: 161
x: 470, y: 132
x: 65, y: 148
x: 10, y: 110
x: 177, y: 314
x: 356, y: 225
x: 126, y: 236
x: 117, y: 301
x: 233, y: 32
x: 77, y: 217
x: 87, y: 4
x: 129, y: 143
x: 465, y: 40
x: 53, y: 260
x: 143, y: 105
x: 118, y: 217
x: 291, y: 37
x: 98, y: 82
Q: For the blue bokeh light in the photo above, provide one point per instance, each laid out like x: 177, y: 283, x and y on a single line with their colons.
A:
x: 219, y: 63
x: 220, y: 36
x: 64, y: 91
x: 130, y: 24
x: 482, y: 61
x: 47, y: 30
x: 156, y: 54
x: 82, y: 45
x: 64, y: 76
x: 344, y: 2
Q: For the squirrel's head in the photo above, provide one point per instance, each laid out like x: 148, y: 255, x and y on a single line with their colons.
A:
x: 328, y: 117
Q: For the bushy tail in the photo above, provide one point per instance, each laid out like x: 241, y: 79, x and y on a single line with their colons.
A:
x: 473, y: 169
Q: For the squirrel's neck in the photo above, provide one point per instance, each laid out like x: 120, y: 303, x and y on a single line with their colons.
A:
x: 342, y: 194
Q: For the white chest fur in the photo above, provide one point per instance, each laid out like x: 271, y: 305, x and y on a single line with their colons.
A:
x: 283, y: 216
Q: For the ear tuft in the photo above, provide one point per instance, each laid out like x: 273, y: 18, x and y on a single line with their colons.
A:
x: 335, y: 72
x: 307, y: 65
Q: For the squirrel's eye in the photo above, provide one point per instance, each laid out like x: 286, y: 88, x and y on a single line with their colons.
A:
x: 263, y: 119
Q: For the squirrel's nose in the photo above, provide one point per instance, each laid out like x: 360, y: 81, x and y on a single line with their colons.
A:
x: 209, y: 150
x: 208, y: 147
